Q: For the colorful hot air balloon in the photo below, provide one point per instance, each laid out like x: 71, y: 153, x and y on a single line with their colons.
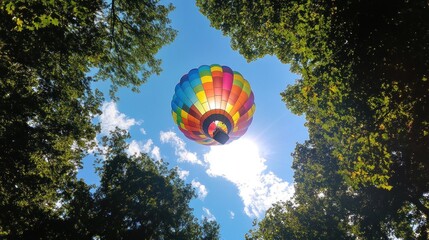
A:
x: 213, y: 104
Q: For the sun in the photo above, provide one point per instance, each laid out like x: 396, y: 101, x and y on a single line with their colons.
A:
x: 242, y: 148
x: 240, y: 160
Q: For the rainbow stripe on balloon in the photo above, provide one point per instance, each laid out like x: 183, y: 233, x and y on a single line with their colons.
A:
x: 209, y: 98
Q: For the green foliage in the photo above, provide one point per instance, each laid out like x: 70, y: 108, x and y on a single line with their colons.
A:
x: 138, y: 198
x: 46, y: 108
x: 47, y: 48
x: 141, y: 198
x: 209, y: 230
x: 324, y: 207
x: 317, y: 210
x: 363, y: 91
x: 126, y: 34
x: 44, y: 13
x: 134, y: 31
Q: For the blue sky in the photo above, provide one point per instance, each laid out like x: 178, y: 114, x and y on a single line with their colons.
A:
x: 237, y: 182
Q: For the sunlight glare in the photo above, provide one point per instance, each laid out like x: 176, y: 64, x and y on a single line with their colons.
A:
x: 238, y: 161
x: 241, y: 163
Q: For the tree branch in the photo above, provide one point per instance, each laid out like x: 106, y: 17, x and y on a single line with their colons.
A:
x: 112, y: 27
x: 422, y: 208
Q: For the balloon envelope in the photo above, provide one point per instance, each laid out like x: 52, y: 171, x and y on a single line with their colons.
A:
x: 213, y: 105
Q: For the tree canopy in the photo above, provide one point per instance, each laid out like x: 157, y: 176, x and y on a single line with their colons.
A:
x: 138, y: 198
x: 47, y: 49
x: 364, y: 93
x: 141, y: 198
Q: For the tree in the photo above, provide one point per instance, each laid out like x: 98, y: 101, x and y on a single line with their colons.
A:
x: 72, y: 218
x: 138, y: 198
x: 320, y: 208
x: 210, y: 230
x: 363, y: 88
x: 346, y: 77
x: 325, y: 207
x: 141, y: 198
x: 46, y: 102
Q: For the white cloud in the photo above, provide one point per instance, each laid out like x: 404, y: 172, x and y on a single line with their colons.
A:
x: 231, y: 214
x: 138, y: 147
x: 240, y: 163
x: 134, y: 148
x: 208, y: 215
x: 183, y: 174
x: 201, y: 189
x: 143, y: 131
x: 180, y: 148
x: 147, y: 146
x: 155, y: 153
x: 112, y: 118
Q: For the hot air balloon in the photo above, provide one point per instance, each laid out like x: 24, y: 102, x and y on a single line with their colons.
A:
x: 213, y: 105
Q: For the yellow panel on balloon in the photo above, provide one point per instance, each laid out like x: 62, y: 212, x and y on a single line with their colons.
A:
x: 184, y: 114
x: 236, y: 117
x: 201, y: 96
x: 206, y: 106
x: 175, y: 117
x: 216, y: 68
x: 206, y: 79
x: 228, y: 107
